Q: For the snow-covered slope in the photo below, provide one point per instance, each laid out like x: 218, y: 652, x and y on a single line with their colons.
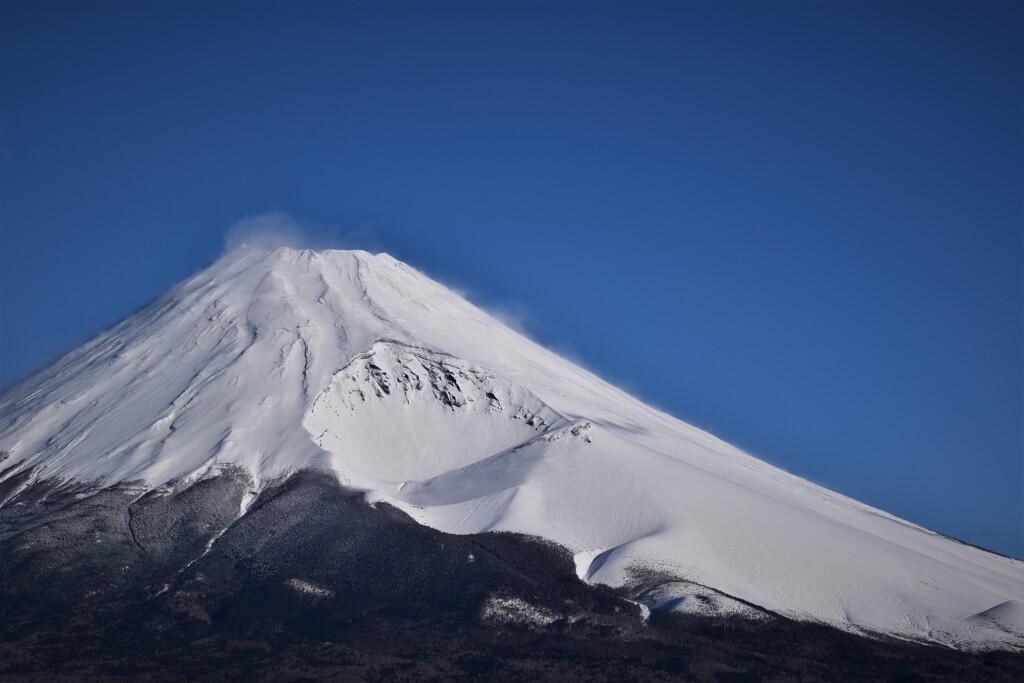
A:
x: 358, y: 365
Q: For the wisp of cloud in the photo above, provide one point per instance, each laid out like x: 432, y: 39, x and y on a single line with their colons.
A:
x: 278, y: 229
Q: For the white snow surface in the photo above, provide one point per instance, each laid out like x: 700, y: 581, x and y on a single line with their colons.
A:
x: 689, y: 598
x: 516, y: 611
x: 359, y: 365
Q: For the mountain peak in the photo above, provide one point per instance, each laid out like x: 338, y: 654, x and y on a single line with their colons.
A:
x: 284, y: 253
x: 283, y: 257
x: 354, y: 364
x: 191, y: 381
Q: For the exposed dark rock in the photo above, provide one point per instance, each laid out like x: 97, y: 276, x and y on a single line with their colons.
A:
x: 313, y: 583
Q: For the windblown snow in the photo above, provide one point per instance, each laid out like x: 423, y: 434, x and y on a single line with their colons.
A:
x: 356, y: 364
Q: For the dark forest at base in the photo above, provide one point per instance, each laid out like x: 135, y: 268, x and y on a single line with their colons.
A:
x: 314, y: 583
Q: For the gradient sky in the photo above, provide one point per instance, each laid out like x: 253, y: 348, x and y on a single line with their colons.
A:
x: 798, y: 226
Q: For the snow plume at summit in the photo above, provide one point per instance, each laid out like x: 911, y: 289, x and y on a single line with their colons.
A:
x: 276, y: 229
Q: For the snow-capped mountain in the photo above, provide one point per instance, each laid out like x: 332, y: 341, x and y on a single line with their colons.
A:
x: 273, y: 362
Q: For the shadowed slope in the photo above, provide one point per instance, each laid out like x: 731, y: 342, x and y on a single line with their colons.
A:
x: 313, y: 583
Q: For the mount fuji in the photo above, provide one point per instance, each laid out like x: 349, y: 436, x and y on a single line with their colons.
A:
x: 279, y: 371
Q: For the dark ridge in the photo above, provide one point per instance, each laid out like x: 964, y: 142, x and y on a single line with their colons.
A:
x: 973, y: 545
x: 313, y: 583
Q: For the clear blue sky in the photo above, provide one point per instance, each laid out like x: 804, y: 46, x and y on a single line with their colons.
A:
x: 796, y: 225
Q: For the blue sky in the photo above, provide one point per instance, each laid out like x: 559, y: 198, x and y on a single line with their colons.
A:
x: 798, y: 226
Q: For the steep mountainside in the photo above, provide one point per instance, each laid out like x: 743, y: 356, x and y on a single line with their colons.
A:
x: 269, y: 364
